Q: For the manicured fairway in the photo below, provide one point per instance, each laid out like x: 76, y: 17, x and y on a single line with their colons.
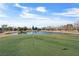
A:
x: 40, y: 45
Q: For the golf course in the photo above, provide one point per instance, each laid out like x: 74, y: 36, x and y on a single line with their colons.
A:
x: 40, y: 45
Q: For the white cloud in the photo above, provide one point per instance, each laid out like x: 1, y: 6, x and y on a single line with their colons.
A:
x: 28, y: 9
x: 3, y: 22
x: 2, y: 11
x: 18, y: 5
x: 29, y: 18
x: 72, y: 12
x: 28, y: 15
x: 3, y: 16
x: 41, y: 9
x: 25, y: 9
x: 49, y: 22
x: 32, y: 16
x: 35, y: 19
x: 2, y: 6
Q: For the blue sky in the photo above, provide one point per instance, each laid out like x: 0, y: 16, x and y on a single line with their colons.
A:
x: 38, y: 14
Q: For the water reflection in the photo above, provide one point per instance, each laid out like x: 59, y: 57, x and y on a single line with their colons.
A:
x: 39, y: 32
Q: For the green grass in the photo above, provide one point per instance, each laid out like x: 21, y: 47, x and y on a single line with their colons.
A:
x: 40, y: 45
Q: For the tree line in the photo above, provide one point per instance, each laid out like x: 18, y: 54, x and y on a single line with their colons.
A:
x: 67, y: 27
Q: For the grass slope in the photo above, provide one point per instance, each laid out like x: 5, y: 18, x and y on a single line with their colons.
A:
x: 40, y: 45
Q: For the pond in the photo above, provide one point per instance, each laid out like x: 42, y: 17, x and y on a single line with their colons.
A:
x: 40, y: 33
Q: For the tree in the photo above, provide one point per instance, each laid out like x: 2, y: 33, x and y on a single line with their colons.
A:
x: 9, y: 28
x: 0, y: 30
x: 69, y: 27
x: 77, y: 26
x: 20, y: 30
x: 25, y: 28
x: 4, y: 28
x: 33, y: 28
x: 15, y: 29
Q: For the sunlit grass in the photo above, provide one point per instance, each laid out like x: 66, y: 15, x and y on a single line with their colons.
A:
x: 56, y: 44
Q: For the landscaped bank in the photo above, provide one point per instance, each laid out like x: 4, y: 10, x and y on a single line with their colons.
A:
x: 40, y: 45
